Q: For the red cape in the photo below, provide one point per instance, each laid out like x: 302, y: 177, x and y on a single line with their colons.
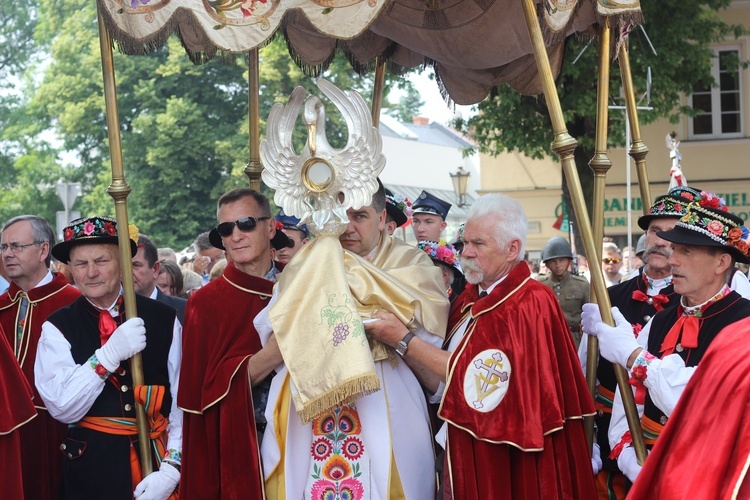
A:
x: 15, y: 400
x: 41, y: 438
x: 532, y: 444
x: 220, y: 445
x: 704, y: 450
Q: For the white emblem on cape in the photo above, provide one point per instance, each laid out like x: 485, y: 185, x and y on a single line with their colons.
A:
x: 486, y: 380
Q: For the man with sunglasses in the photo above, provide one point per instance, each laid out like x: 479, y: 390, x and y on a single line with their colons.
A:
x: 611, y: 264
x: 225, y: 370
x: 34, y: 293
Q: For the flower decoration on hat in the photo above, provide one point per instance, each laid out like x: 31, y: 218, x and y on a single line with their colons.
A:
x: 709, y: 217
x: 739, y: 238
x: 441, y: 252
x: 90, y: 227
x: 401, y: 202
x: 133, y: 232
x: 710, y: 200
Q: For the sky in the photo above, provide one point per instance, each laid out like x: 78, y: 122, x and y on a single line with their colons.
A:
x: 434, y: 106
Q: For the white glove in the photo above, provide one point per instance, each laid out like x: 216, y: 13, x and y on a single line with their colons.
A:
x: 596, y: 459
x: 128, y: 339
x: 616, y: 343
x: 158, y: 485
x: 590, y: 317
x: 628, y: 463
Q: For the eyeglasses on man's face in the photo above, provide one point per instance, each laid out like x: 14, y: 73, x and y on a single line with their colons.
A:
x: 17, y: 247
x: 244, y: 224
x: 611, y: 260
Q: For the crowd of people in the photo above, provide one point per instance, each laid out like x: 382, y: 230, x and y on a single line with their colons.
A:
x: 441, y: 370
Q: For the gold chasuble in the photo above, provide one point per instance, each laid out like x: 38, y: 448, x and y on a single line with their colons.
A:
x: 322, y: 296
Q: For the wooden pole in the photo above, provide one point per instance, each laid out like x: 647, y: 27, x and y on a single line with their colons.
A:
x: 600, y: 164
x: 254, y: 167
x: 564, y: 145
x: 638, y: 150
x: 119, y: 191
x: 377, y: 91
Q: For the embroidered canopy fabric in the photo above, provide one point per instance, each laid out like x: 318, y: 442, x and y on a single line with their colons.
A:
x: 474, y: 45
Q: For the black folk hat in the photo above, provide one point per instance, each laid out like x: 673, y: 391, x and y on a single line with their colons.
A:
x: 707, y: 223
x: 671, y: 205
x: 398, y: 207
x: 94, y: 230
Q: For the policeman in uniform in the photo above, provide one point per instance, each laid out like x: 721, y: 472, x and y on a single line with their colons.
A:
x: 572, y: 291
x: 428, y: 219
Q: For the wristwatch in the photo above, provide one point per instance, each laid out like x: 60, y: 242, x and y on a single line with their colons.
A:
x: 403, y: 344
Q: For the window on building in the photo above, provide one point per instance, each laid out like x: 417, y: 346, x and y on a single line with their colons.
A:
x: 720, y: 105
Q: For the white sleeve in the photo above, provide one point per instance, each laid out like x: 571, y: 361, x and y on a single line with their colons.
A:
x: 618, y: 425
x: 174, y: 360
x: 428, y: 337
x: 583, y: 351
x: 666, y: 379
x: 262, y: 320
x: 740, y: 284
x: 67, y: 389
x: 642, y: 338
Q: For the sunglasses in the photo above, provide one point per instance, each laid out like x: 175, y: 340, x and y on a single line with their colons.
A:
x: 611, y: 260
x: 245, y: 224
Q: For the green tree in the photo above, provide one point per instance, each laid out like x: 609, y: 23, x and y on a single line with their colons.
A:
x: 183, y: 127
x: 682, y: 33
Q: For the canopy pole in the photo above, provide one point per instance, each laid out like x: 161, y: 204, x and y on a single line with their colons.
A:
x: 638, y: 150
x: 254, y: 167
x: 600, y: 164
x: 564, y: 145
x: 119, y: 191
x: 377, y: 91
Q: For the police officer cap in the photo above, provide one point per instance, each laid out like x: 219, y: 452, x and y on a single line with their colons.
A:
x: 291, y: 222
x: 555, y: 248
x: 430, y: 204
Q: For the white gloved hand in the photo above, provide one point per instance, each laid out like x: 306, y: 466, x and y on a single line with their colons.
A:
x: 596, y: 459
x: 128, y: 339
x: 616, y: 343
x: 628, y: 463
x: 158, y: 485
x: 590, y: 317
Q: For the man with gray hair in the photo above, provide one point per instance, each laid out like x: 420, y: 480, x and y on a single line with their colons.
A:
x: 34, y: 294
x: 515, y: 396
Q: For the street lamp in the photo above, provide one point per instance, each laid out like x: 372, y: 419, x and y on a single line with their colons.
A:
x: 460, y: 183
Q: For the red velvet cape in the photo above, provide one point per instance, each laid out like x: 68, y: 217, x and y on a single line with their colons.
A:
x: 532, y: 445
x: 41, y: 459
x: 220, y: 445
x: 17, y: 411
x: 705, y: 445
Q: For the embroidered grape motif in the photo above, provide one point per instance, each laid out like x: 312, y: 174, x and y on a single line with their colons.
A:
x: 340, y: 333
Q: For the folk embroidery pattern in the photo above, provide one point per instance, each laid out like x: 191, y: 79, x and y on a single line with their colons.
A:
x: 338, y: 456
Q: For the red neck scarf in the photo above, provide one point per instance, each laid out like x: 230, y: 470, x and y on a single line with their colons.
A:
x: 658, y: 300
x: 107, y: 324
x: 686, y: 329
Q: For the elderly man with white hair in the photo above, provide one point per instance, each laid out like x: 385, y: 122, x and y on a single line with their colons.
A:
x: 514, y: 395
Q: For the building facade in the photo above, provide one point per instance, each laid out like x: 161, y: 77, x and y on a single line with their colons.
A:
x: 715, y: 148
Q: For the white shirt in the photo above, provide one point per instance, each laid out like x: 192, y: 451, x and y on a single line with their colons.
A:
x: 69, y: 390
